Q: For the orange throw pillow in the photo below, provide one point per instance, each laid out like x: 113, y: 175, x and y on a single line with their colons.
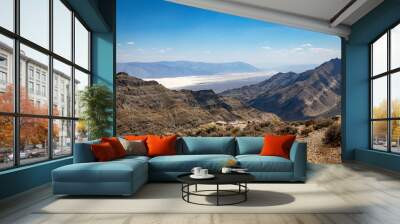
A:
x: 103, y: 152
x: 161, y: 145
x: 116, y: 145
x: 277, y: 145
x: 135, y: 137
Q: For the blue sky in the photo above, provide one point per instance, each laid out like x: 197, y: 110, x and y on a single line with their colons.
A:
x: 155, y: 30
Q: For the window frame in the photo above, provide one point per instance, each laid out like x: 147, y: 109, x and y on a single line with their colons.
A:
x: 16, y: 114
x: 388, y: 74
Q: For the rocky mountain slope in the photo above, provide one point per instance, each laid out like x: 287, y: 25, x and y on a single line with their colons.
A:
x: 181, y: 68
x: 148, y: 107
x: 296, y: 96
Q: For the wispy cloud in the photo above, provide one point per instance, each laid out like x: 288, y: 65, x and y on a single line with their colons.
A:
x: 266, y: 47
x: 164, y: 50
x: 130, y: 43
x: 306, y: 45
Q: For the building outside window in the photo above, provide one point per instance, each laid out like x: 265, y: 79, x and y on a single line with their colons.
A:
x: 3, y: 72
x: 43, y: 90
x: 30, y: 87
x: 30, y: 72
x: 44, y: 77
x: 3, y: 78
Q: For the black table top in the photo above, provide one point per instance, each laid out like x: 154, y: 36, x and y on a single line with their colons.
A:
x: 220, y: 178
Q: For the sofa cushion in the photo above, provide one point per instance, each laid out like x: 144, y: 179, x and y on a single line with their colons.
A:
x: 116, y: 145
x: 103, y: 152
x: 257, y: 163
x: 159, y: 145
x: 277, y: 145
x: 185, y: 163
x: 112, y: 171
x: 83, y: 152
x: 134, y: 147
x: 249, y: 145
x: 207, y: 145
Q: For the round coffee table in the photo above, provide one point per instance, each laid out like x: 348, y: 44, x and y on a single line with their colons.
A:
x: 238, y: 179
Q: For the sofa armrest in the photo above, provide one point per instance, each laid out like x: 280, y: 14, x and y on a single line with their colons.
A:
x: 298, y: 155
x: 83, y: 152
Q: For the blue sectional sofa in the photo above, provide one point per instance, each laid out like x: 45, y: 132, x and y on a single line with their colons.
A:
x: 125, y: 176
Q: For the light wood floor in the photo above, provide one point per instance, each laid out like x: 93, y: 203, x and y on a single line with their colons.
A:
x: 377, y: 188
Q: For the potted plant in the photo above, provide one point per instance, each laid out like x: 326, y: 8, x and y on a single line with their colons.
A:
x: 96, y: 102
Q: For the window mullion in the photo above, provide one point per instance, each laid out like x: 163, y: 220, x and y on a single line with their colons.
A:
x: 50, y: 81
x: 389, y: 104
x: 73, y: 82
x: 16, y: 69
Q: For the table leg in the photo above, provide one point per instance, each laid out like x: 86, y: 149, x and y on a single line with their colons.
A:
x: 245, y: 193
x: 217, y: 194
x: 195, y: 188
x: 188, y: 189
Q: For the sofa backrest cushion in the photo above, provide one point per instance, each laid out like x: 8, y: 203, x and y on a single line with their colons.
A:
x: 206, y: 145
x: 249, y: 145
x: 83, y: 152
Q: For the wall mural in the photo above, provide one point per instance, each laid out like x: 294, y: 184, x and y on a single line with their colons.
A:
x: 194, y: 72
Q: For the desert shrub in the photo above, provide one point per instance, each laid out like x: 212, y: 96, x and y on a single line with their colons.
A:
x: 295, y: 123
x: 306, y: 131
x: 309, y: 123
x: 235, y: 131
x: 211, y: 129
x: 266, y: 124
x: 286, y: 130
x: 229, y: 127
x: 319, y: 124
x: 333, y: 135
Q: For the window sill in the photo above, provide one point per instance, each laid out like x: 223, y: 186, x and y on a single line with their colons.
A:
x: 30, y: 166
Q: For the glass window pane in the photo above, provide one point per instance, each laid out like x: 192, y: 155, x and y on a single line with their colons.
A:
x: 395, y: 94
x: 62, y: 138
x: 33, y: 139
x: 395, y: 47
x: 395, y: 138
x: 62, y: 89
x: 35, y: 21
x: 81, y: 131
x: 379, y: 55
x: 6, y: 142
x: 379, y: 97
x: 7, y: 14
x: 379, y: 135
x: 6, y: 74
x: 81, y: 45
x: 81, y: 82
x: 34, y: 97
x: 62, y: 29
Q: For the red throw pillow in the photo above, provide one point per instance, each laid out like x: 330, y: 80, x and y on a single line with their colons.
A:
x: 161, y: 145
x: 277, y: 145
x: 103, y: 152
x: 116, y: 145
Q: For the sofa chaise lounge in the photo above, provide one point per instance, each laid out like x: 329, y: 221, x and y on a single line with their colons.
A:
x: 125, y: 176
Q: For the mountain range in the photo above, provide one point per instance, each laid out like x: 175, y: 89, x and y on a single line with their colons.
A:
x: 163, y: 69
x: 149, y: 107
x: 296, y: 96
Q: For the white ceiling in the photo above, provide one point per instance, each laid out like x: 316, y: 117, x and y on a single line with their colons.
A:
x: 325, y: 16
x: 321, y: 9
